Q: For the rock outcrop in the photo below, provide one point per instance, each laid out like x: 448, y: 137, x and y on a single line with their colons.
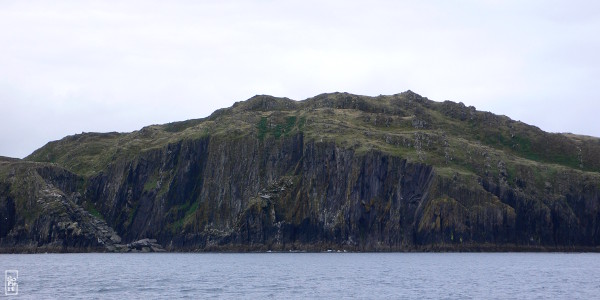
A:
x: 40, y: 212
x: 337, y: 171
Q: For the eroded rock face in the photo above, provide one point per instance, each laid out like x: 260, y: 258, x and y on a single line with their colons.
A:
x: 291, y: 194
x: 336, y: 171
x: 318, y: 192
x: 39, y: 206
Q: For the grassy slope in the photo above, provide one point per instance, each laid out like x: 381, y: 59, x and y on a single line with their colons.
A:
x: 455, y: 139
x: 450, y: 136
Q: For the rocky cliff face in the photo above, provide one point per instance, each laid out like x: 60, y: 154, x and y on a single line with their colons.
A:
x: 338, y: 171
x: 39, y: 211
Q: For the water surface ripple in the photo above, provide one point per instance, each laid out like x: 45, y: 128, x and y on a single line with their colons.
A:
x: 307, y: 275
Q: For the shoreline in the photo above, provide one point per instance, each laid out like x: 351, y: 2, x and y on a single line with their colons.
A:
x: 317, y: 249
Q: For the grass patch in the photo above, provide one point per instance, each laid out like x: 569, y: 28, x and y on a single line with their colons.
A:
x: 290, y: 122
x: 262, y: 128
x: 276, y: 126
x: 277, y: 131
x: 180, y: 126
x: 189, y: 210
x: 92, y: 210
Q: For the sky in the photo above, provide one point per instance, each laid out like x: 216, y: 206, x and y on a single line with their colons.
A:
x: 68, y: 67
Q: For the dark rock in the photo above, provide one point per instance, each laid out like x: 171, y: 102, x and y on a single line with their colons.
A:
x: 337, y: 171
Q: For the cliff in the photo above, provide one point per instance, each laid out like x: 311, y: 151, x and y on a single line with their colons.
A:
x: 336, y: 171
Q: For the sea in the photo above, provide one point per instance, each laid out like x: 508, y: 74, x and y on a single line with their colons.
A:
x: 301, y: 276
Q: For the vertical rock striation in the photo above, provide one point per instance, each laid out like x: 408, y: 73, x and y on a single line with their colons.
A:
x: 337, y: 171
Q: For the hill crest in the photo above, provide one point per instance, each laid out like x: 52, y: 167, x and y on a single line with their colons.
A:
x: 335, y: 171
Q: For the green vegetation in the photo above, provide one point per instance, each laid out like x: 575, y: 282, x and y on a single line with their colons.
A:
x: 151, y: 183
x: 180, y: 126
x: 290, y: 122
x: 186, y: 213
x: 277, y: 127
x: 92, y: 210
x: 130, y: 216
x: 197, y: 176
x: 406, y: 125
x: 262, y: 128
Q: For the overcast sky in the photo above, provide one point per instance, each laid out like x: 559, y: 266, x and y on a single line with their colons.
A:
x: 73, y: 66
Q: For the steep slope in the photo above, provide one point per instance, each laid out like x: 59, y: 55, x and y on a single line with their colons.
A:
x: 39, y: 211
x: 338, y: 171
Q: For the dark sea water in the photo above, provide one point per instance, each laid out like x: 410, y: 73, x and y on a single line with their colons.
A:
x: 306, y: 276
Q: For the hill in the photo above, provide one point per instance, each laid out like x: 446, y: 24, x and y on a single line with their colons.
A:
x: 336, y: 171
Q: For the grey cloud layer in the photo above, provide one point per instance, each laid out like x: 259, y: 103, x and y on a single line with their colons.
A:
x: 67, y: 67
